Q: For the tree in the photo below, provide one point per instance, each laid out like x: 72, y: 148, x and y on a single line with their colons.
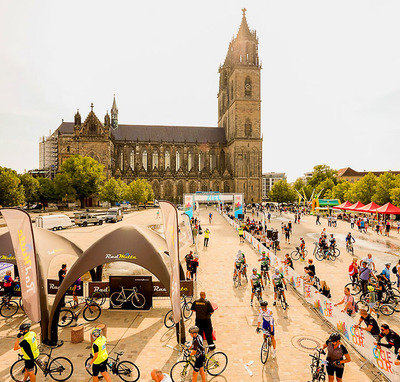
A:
x: 326, y: 186
x: 282, y: 192
x: 63, y: 190
x: 321, y: 172
x: 46, y: 192
x: 11, y: 191
x: 84, y: 175
x: 139, y: 191
x: 395, y: 196
x: 113, y: 191
x: 385, y: 183
x: 31, y: 187
x: 362, y: 190
x: 339, y: 191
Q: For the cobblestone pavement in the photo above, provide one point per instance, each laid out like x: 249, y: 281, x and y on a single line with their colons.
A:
x: 145, y: 340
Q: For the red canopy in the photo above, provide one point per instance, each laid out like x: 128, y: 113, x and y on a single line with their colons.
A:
x: 343, y: 206
x: 370, y: 207
x: 388, y: 208
x: 355, y: 206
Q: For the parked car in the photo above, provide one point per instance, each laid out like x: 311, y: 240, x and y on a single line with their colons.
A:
x: 114, y: 215
x: 53, y: 222
x: 85, y: 218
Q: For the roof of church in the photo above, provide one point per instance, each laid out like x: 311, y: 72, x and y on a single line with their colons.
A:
x: 154, y: 133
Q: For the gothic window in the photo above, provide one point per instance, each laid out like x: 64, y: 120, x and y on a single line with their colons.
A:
x: 247, y: 128
x: 121, y: 160
x: 190, y: 161
x: 247, y: 87
x: 204, y: 187
x: 213, y: 161
x: 168, y: 190
x: 155, y: 159
x: 192, y: 187
x: 201, y: 161
x: 167, y: 160
x: 68, y: 149
x: 178, y: 161
x: 132, y: 160
x: 144, y: 160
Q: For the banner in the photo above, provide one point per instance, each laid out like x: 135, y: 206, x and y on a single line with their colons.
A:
x: 188, y: 200
x: 170, y: 221
x: 160, y: 291
x: 238, y: 204
x: 53, y: 285
x: 20, y: 227
x: 185, y: 231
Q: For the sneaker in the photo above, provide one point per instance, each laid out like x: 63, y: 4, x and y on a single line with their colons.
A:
x: 301, y: 259
x: 273, y: 353
x: 274, y: 303
x: 251, y: 303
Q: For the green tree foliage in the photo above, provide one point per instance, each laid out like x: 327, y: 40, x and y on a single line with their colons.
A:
x: 113, y: 191
x: 326, y: 187
x: 11, y: 190
x: 31, y: 187
x: 395, y: 196
x: 84, y: 175
x: 362, y: 190
x: 63, y: 188
x: 339, y: 191
x: 321, y: 173
x: 139, y: 191
x: 303, y: 188
x: 282, y: 192
x: 46, y: 192
x: 385, y: 183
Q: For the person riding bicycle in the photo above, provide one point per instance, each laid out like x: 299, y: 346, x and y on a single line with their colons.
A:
x: 198, y: 351
x: 370, y: 261
x: 265, y: 264
x: 240, y: 264
x: 279, y: 283
x: 337, y: 357
x: 332, y: 242
x: 323, y: 245
x: 256, y: 284
x: 349, y: 240
x: 266, y: 317
x: 302, y: 247
x: 27, y: 342
x: 100, y: 356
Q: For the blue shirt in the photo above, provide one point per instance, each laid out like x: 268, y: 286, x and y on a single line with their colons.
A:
x: 386, y: 272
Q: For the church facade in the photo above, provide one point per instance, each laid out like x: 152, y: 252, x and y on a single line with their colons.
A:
x: 184, y: 159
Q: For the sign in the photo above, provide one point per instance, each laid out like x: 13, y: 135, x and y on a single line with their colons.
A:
x: 99, y: 286
x: 53, y: 285
x: 143, y: 284
x: 188, y: 200
x: 160, y: 291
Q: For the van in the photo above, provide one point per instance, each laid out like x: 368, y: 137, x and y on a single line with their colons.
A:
x: 53, y: 222
x: 114, y: 215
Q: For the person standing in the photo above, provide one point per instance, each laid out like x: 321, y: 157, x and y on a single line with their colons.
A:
x: 158, y: 376
x: 392, y: 338
x: 195, y: 231
x: 76, y: 287
x: 204, y: 310
x: 198, y: 351
x: 398, y: 273
x: 349, y: 303
x: 100, y: 356
x: 370, y: 322
x: 206, y: 237
x: 193, y: 267
x: 241, y: 234
x: 8, y: 287
x: 353, y: 271
x: 386, y: 272
x: 29, y: 348
x: 188, y: 259
x: 61, y: 275
x: 363, y: 273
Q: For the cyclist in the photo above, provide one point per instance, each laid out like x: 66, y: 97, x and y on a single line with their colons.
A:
x: 265, y: 264
x: 323, y: 244
x: 349, y: 240
x: 369, y: 260
x: 386, y: 273
x: 392, y: 338
x: 267, y: 318
x: 278, y: 282
x: 100, y: 356
x: 256, y: 284
x: 241, y: 234
x: 302, y: 247
x: 29, y: 348
x: 210, y: 217
x: 332, y: 242
x: 198, y: 351
x: 240, y: 265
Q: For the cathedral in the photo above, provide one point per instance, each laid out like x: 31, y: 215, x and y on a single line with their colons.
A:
x: 181, y: 159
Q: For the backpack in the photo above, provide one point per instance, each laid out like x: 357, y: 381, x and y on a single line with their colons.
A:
x: 394, y: 269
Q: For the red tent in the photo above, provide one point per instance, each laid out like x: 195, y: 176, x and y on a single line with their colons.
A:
x: 370, y: 207
x: 342, y: 206
x: 388, y: 208
x: 355, y: 206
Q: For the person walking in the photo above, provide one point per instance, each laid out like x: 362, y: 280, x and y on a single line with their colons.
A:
x: 199, y: 353
x: 27, y: 342
x: 158, y: 376
x: 206, y: 237
x: 204, y: 310
x: 100, y: 356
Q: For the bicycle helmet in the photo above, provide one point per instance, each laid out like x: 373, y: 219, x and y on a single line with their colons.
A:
x: 96, y: 332
x: 371, y: 288
x: 334, y: 337
x: 277, y: 270
x: 264, y: 303
x: 25, y: 326
x: 193, y: 329
x: 254, y: 269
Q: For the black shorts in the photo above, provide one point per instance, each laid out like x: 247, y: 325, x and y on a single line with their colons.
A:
x: 199, y: 363
x: 99, y: 368
x: 264, y: 268
x: 256, y: 289
x: 238, y: 266
x: 332, y: 370
x: 29, y: 364
x: 278, y: 287
x: 188, y: 267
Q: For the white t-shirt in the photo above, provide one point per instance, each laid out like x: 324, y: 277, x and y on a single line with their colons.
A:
x: 267, y: 316
x: 369, y: 261
x: 166, y: 378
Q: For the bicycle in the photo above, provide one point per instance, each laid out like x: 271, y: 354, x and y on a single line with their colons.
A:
x: 323, y: 254
x: 135, y: 298
x: 59, y: 368
x: 297, y: 254
x: 243, y: 274
x: 380, y: 306
x: 8, y: 307
x: 98, y: 297
x: 186, y: 312
x: 280, y: 297
x: 350, y: 248
x: 215, y: 364
x: 257, y: 293
x: 335, y: 251
x: 91, y: 312
x: 126, y: 370
x: 318, y: 366
x: 266, y: 345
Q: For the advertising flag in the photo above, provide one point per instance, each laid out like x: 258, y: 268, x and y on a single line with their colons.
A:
x: 170, y: 221
x: 185, y: 231
x: 20, y: 227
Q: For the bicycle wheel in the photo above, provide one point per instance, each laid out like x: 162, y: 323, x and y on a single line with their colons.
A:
x: 182, y: 371
x: 128, y: 371
x: 61, y: 369
x: 355, y: 288
x: 283, y: 302
x: 92, y: 312
x: 9, y: 309
x: 116, y: 299
x: 264, y: 351
x: 169, y: 320
x: 138, y: 300
x: 90, y: 369
x: 187, y: 310
x: 386, y: 309
x: 295, y: 255
x: 20, y: 303
x: 216, y: 364
x: 331, y: 256
x: 98, y: 297
x: 362, y: 304
x: 65, y: 318
x: 17, y: 370
x: 236, y: 281
x: 318, y: 255
x: 336, y: 252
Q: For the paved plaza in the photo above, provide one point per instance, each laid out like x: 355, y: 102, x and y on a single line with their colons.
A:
x: 145, y: 341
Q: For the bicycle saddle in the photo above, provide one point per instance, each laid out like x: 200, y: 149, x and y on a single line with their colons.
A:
x: 119, y: 352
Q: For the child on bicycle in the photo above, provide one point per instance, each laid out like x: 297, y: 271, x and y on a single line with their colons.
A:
x: 100, y: 356
x: 198, y: 351
x: 267, y: 318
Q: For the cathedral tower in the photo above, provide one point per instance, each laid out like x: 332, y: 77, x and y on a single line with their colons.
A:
x: 239, y: 112
x: 114, y: 115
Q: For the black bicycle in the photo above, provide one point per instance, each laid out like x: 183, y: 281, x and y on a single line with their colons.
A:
x: 258, y: 293
x: 98, y: 297
x: 186, y: 312
x: 8, y: 307
x: 126, y: 370
x: 318, y: 366
x: 91, y: 312
x: 266, y: 345
x: 297, y: 254
x: 59, y: 368
x: 280, y: 297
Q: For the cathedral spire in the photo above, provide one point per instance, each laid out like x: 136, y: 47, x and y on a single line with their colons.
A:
x: 114, y: 114
x: 244, y: 30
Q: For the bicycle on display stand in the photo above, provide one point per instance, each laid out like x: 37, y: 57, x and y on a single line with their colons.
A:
x: 186, y: 312
x: 90, y: 311
x: 135, y: 298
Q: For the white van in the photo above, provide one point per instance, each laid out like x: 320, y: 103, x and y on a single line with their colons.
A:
x: 53, y: 222
x: 114, y: 215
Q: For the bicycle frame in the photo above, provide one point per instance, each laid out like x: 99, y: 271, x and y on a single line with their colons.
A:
x: 123, y: 294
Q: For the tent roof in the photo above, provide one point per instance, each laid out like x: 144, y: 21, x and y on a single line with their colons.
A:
x: 388, y: 208
x: 370, y: 207
x: 355, y: 206
x: 343, y: 206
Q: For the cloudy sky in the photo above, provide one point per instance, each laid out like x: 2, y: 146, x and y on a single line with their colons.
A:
x: 330, y: 78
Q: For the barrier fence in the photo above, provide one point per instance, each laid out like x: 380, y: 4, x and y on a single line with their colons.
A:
x: 362, y: 341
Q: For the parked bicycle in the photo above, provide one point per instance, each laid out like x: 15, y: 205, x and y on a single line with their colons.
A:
x: 186, y: 312
x: 126, y: 370
x: 90, y: 311
x: 59, y: 368
x: 215, y: 364
x: 98, y: 297
x: 8, y: 307
x: 297, y: 254
x: 318, y: 366
x: 135, y: 298
x: 266, y: 345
